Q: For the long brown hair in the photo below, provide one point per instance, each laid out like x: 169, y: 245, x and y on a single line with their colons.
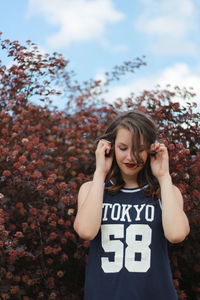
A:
x: 141, y: 126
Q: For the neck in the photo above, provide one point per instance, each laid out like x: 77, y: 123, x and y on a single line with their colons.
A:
x: 130, y: 183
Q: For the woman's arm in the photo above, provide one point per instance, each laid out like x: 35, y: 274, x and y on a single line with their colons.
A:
x: 175, y: 222
x: 90, y: 197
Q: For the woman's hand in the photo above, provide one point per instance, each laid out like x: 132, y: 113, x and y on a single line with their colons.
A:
x: 104, y: 156
x: 160, y: 160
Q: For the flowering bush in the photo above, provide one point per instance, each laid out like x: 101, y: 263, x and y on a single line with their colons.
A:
x: 46, y: 154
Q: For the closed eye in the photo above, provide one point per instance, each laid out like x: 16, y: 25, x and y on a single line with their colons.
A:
x: 141, y: 150
x: 125, y: 148
x: 122, y: 148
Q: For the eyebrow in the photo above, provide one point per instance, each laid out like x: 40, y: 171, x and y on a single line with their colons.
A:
x: 120, y: 143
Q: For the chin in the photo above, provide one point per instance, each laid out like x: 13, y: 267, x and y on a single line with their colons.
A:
x: 131, y: 172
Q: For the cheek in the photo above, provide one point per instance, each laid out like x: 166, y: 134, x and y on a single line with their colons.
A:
x: 117, y: 155
x: 144, y: 156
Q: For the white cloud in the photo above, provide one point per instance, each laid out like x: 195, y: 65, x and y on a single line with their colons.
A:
x: 77, y: 20
x: 169, y: 26
x: 180, y: 74
x: 173, y: 46
x: 100, y: 75
x: 119, y: 48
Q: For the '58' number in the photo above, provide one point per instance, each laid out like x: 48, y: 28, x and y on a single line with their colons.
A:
x: 126, y: 256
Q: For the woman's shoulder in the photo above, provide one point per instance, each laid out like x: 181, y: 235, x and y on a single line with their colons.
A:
x: 83, y: 191
x: 85, y: 186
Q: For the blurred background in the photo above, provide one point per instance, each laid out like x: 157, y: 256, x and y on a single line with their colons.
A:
x: 95, y: 35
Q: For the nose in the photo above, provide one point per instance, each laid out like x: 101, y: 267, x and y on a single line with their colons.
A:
x: 130, y: 156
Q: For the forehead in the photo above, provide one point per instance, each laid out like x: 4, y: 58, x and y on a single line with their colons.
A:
x: 125, y: 136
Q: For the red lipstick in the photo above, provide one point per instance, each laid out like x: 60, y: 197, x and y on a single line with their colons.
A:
x: 130, y: 165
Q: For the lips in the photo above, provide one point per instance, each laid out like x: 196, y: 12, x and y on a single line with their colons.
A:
x: 130, y: 165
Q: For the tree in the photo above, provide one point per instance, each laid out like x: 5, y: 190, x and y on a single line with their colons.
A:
x: 46, y: 154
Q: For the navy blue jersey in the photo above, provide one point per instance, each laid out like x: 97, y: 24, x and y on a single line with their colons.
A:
x: 128, y: 259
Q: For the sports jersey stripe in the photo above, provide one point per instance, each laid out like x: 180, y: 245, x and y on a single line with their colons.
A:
x: 134, y: 190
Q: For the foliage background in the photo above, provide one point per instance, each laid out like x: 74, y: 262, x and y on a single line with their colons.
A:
x: 46, y: 154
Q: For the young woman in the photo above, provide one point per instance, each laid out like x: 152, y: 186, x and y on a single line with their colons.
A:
x: 129, y: 211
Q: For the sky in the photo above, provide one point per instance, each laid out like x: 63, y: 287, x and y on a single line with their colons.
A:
x: 96, y: 35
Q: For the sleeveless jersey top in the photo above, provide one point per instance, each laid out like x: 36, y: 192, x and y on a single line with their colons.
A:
x: 128, y: 259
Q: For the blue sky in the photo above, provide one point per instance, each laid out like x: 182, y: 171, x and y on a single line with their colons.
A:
x: 95, y: 35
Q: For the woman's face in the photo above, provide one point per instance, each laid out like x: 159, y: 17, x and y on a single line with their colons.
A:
x: 125, y: 157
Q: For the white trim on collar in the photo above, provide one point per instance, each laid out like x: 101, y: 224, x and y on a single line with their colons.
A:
x: 133, y: 190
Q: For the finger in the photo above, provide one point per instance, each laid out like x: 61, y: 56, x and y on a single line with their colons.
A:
x: 161, y: 147
x: 157, y: 148
x: 153, y: 148
x: 106, y: 144
x: 103, y: 141
x: 108, y: 150
x: 154, y: 145
x: 104, y: 148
